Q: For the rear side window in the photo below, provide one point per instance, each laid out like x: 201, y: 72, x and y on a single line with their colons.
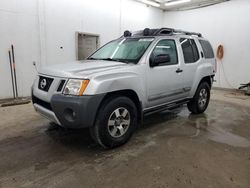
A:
x: 207, y: 49
x: 190, y: 51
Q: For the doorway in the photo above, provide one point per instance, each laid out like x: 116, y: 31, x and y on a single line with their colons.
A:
x: 86, y: 44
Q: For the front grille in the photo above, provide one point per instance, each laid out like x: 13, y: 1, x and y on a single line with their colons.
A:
x: 61, y: 85
x: 41, y: 103
x: 44, y: 83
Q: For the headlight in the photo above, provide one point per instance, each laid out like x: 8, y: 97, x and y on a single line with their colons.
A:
x: 75, y: 87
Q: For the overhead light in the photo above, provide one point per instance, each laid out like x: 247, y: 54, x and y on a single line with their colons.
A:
x: 150, y: 3
x: 176, y: 2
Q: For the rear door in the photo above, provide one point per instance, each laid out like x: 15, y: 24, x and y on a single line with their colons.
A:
x: 191, y: 58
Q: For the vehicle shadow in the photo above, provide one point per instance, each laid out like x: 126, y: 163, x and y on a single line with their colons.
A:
x: 80, y: 138
x: 73, y: 138
x: 158, y: 118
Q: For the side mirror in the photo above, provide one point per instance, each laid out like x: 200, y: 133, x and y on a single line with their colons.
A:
x: 159, y: 59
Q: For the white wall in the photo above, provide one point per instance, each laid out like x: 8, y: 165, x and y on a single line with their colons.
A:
x: 38, y: 28
x: 18, y: 26
x: 108, y: 18
x: 227, y: 24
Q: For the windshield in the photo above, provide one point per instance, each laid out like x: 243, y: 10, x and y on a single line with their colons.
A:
x: 128, y: 50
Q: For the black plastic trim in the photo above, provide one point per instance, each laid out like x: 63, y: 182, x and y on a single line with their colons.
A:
x: 41, y: 102
x: 60, y: 87
x: 76, y: 111
x: 168, y: 106
x: 48, y: 83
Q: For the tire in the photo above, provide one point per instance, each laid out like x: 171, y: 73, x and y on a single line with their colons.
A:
x: 200, y: 101
x: 115, y: 122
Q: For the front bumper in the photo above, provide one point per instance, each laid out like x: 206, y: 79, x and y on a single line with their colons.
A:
x: 46, y: 113
x: 69, y: 111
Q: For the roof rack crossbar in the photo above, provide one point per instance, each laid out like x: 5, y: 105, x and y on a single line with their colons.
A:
x: 164, y: 31
x: 171, y: 31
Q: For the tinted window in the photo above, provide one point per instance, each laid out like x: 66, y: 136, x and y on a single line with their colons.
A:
x: 166, y: 47
x: 190, y: 51
x: 207, y: 49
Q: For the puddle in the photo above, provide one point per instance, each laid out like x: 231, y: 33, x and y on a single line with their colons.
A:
x: 219, y: 135
x: 214, y: 131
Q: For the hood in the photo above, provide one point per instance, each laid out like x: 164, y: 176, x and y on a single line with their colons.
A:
x: 80, y: 69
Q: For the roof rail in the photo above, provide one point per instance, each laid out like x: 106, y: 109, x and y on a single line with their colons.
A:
x: 160, y: 32
x: 176, y: 31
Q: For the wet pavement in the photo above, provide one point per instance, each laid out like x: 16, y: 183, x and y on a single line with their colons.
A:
x: 171, y: 149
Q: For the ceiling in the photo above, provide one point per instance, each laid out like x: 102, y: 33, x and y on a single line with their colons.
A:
x: 182, y: 6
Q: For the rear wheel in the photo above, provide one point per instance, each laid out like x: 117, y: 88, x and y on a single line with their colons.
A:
x: 115, y: 123
x: 200, y: 100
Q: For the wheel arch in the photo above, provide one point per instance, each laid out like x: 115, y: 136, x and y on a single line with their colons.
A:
x: 131, y: 94
x: 196, y: 84
x: 208, y: 79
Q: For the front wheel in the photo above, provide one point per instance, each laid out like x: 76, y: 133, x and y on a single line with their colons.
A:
x: 115, y: 123
x: 200, y: 100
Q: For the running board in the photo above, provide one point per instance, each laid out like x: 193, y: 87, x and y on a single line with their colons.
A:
x: 169, y: 106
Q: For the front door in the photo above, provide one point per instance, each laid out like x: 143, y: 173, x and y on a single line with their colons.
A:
x: 164, y: 81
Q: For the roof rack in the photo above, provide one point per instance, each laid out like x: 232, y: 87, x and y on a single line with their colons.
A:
x: 176, y: 31
x: 159, y: 32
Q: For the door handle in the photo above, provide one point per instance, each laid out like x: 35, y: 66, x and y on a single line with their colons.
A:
x: 178, y: 70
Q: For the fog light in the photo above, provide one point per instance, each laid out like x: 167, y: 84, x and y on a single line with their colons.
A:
x: 69, y: 114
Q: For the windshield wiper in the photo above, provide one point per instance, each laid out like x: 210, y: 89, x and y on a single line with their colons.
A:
x: 107, y: 59
x: 110, y: 59
x: 125, y: 60
x: 91, y: 58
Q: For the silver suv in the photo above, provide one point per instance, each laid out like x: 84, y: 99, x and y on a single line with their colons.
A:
x: 135, y: 75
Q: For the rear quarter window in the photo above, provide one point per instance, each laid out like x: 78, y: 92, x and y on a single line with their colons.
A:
x: 207, y: 49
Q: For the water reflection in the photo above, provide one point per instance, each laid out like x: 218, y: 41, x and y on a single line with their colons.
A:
x: 214, y: 130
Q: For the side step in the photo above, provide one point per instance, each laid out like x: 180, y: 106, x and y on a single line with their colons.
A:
x: 168, y: 106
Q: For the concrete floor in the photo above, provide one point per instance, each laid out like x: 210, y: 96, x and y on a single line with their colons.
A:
x: 169, y: 150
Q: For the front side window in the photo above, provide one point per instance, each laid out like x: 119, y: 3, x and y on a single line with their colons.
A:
x: 166, y: 47
x: 207, y: 49
x: 128, y: 50
x: 190, y: 51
